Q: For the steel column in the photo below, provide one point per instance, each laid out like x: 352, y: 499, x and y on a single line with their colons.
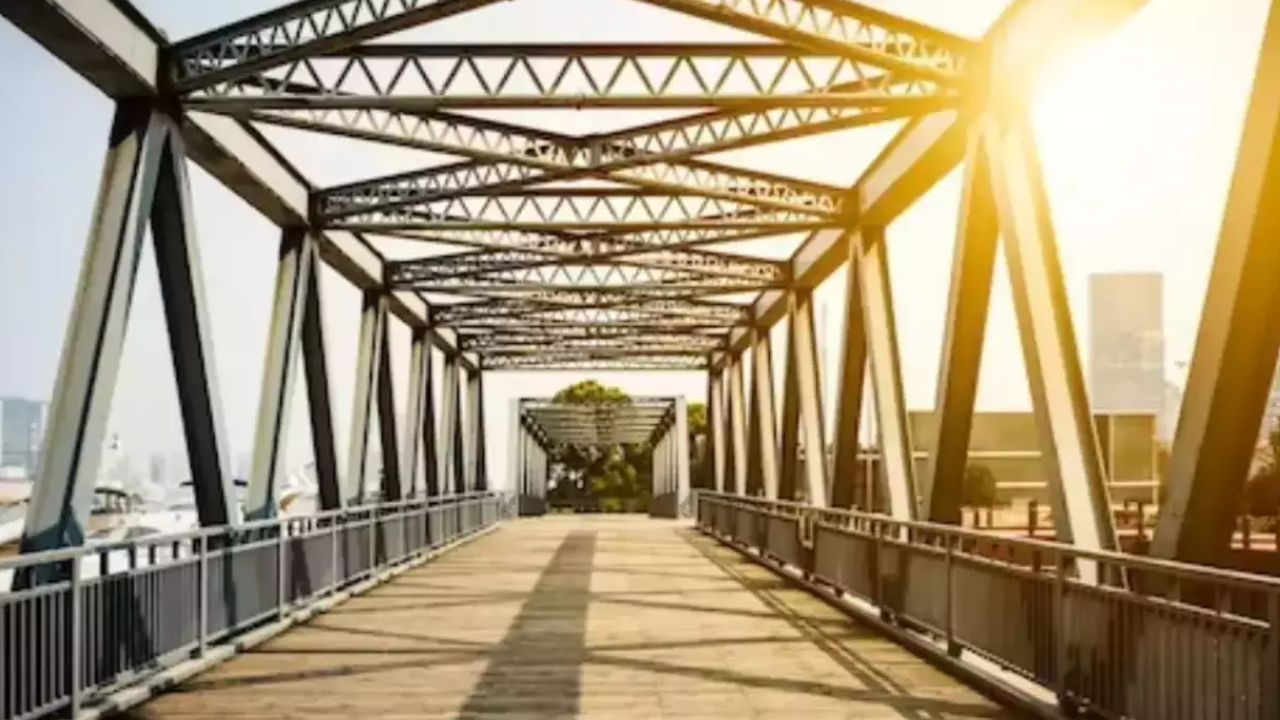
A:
x: 972, y: 267
x: 892, y: 423
x: 430, y: 434
x: 373, y: 315
x: 1234, y: 362
x: 91, y: 349
x: 1068, y: 442
x: 762, y: 462
x: 853, y: 371
x: 187, y: 320
x: 477, y: 468
x: 738, y: 427
x: 805, y: 383
x: 392, y: 482
x: 315, y: 363
x: 717, y: 428
x: 454, y: 474
x: 293, y: 275
x: 417, y: 410
x: 680, y: 453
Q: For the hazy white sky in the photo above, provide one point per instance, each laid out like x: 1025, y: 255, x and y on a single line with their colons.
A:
x: 1138, y: 136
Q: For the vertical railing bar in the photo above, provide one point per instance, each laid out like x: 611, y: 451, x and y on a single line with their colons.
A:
x: 1271, y: 663
x: 77, y: 639
x: 282, y: 597
x: 202, y: 611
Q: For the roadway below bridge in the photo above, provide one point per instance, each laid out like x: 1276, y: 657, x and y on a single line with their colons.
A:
x: 580, y: 617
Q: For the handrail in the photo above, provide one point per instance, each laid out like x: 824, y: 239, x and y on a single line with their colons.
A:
x: 1237, y: 578
x: 76, y: 636
x: 1183, y: 642
x: 62, y: 555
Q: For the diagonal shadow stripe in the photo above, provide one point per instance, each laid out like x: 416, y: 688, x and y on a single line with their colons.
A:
x: 537, y: 667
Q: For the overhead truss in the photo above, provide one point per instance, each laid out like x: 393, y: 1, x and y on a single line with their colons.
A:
x: 635, y: 421
x: 564, y: 239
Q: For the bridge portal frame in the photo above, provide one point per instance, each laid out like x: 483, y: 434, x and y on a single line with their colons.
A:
x: 966, y: 101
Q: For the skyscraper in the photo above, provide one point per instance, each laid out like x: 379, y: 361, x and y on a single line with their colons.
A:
x: 1126, y: 347
x: 21, y: 432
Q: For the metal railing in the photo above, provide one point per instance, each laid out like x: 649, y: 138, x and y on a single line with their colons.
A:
x: 115, y: 614
x: 1152, y: 640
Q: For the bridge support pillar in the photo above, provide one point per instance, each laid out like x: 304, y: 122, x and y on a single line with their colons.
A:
x: 671, y: 489
x: 529, y: 466
x: 453, y: 475
x: 802, y: 408
x: 477, y: 460
x: 716, y: 429
x: 762, y: 456
x: 373, y: 324
x: 972, y: 268
x: 736, y: 405
x: 848, y: 471
x: 1068, y: 439
x: 144, y: 180
x: 870, y: 260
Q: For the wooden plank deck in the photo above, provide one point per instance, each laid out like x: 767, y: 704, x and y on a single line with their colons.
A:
x: 579, y: 617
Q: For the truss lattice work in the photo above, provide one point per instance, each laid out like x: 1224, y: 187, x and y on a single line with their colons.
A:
x: 552, y: 264
x: 621, y: 248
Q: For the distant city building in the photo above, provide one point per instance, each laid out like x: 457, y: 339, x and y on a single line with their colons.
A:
x: 1126, y: 342
x: 21, y: 432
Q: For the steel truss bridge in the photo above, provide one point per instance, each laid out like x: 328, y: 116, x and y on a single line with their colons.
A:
x: 613, y: 250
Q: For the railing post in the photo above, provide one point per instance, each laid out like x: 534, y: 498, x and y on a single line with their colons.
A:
x: 203, y: 600
x: 333, y: 558
x: 282, y: 591
x: 373, y: 543
x: 953, y: 648
x: 1060, y: 633
x: 1271, y: 665
x: 77, y: 637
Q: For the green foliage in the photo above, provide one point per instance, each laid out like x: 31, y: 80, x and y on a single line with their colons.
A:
x: 591, y: 392
x: 1262, y: 493
x: 619, y: 473
x: 979, y: 488
x: 697, y: 414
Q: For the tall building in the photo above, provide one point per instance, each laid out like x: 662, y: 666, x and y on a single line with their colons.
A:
x: 1126, y: 342
x: 21, y: 432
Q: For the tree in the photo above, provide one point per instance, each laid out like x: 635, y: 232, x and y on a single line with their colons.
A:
x: 620, y: 475
x: 1261, y: 496
x: 979, y: 486
x: 698, y: 459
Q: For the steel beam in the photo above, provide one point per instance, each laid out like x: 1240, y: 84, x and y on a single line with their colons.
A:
x: 763, y: 454
x: 476, y: 431
x: 1234, y: 362
x: 849, y: 29
x: 738, y: 427
x: 284, y: 336
x: 300, y: 29
x: 416, y: 78
x: 315, y: 363
x: 972, y: 267
x: 419, y: 407
x: 849, y: 403
x: 59, y: 508
x: 892, y: 422
x: 373, y: 324
x: 393, y: 474
x: 1068, y: 441
x: 807, y: 387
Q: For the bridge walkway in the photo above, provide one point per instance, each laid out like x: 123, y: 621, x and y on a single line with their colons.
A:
x: 579, y: 617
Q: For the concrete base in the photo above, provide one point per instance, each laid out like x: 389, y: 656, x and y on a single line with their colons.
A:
x: 532, y: 506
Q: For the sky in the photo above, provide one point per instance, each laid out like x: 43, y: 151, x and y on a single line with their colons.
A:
x: 1137, y: 134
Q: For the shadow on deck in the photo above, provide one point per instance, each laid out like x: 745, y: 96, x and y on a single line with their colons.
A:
x: 579, y: 617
